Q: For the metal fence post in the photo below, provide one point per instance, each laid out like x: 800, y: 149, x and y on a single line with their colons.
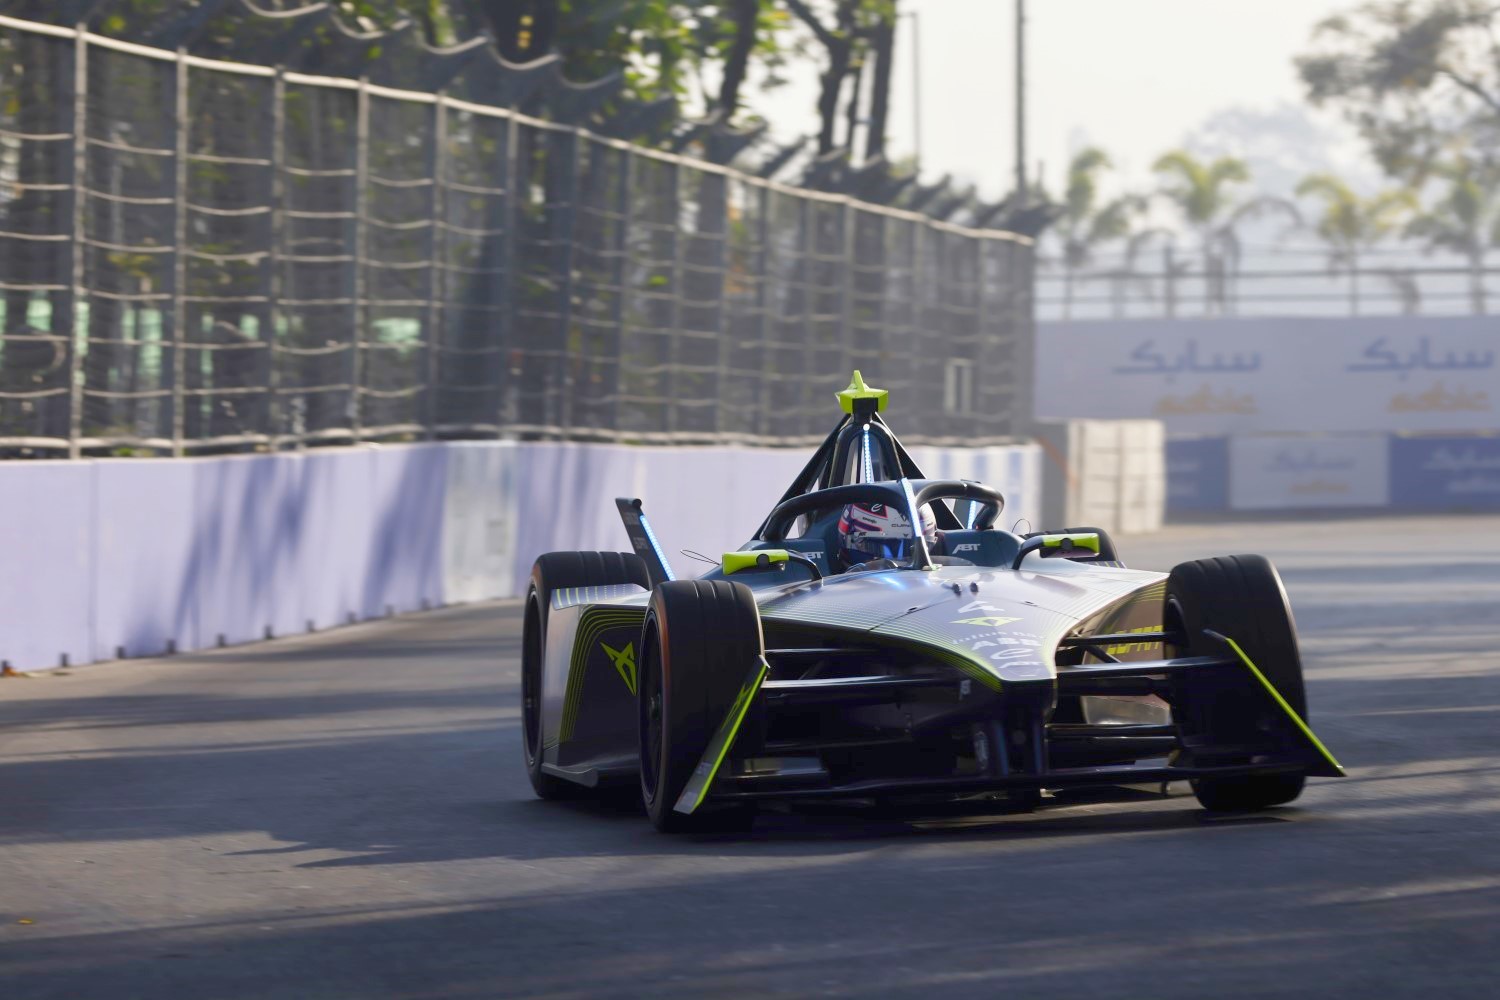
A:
x: 622, y: 275
x: 1169, y: 293
x: 564, y: 230
x: 846, y: 294
x: 674, y: 341
x: 436, y: 251
x: 505, y: 413
x: 357, y: 306
x: 78, y: 335
x: 275, y: 243
x: 763, y: 267
x: 721, y: 308
x: 179, y: 257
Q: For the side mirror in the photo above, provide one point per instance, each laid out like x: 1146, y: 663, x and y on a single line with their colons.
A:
x: 758, y: 559
x: 735, y: 562
x: 1081, y: 545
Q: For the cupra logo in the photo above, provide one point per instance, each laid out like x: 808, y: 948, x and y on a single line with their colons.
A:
x: 624, y: 661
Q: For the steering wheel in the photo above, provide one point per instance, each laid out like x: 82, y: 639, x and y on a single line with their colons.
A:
x: 991, y: 502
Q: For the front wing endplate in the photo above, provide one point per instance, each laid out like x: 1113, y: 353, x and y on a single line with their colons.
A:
x: 718, y: 748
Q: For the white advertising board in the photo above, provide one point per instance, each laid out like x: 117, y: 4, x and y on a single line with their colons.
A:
x: 1248, y: 376
x: 1280, y: 473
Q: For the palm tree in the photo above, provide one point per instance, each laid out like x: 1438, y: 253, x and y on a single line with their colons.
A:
x: 1204, y: 193
x: 1352, y: 225
x: 1466, y: 221
x: 1084, y: 224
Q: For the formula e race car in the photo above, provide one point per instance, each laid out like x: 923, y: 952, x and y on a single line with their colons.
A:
x: 879, y: 639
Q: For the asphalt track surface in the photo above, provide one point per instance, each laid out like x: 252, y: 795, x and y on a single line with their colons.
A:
x: 345, y: 815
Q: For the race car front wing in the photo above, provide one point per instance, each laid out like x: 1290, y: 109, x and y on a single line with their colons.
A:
x: 1026, y: 748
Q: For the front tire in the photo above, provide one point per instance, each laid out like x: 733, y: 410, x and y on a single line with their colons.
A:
x: 700, y: 641
x: 1241, y: 597
x: 550, y: 572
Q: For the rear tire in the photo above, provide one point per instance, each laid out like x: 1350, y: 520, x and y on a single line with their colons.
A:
x: 1241, y: 597
x: 549, y: 573
x: 701, y: 640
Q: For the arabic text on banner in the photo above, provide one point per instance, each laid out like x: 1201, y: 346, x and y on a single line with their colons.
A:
x: 1247, y: 376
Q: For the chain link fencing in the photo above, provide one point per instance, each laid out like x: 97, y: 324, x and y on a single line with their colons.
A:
x: 201, y: 255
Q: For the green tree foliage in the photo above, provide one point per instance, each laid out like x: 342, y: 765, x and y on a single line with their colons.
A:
x: 849, y: 31
x: 700, y: 49
x: 1420, y: 79
x: 1202, y: 191
x: 437, y: 17
x: 1206, y: 193
x: 1464, y: 219
x: 1085, y: 224
x: 1352, y: 225
x: 663, y: 47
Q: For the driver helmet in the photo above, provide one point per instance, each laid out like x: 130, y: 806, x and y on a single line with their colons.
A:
x: 879, y: 531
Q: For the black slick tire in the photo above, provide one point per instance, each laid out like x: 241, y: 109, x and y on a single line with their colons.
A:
x: 552, y: 571
x: 1241, y: 597
x: 701, y: 640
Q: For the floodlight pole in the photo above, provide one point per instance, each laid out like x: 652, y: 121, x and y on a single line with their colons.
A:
x: 1021, y: 100
x: 916, y: 82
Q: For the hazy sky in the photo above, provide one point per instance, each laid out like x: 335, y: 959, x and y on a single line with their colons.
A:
x: 1133, y: 76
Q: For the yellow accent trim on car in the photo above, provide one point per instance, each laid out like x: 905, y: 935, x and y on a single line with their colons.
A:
x: 1082, y: 540
x: 858, y: 390
x: 707, y: 770
x: 1132, y: 647
x: 1279, y: 699
x: 736, y: 561
x: 593, y: 622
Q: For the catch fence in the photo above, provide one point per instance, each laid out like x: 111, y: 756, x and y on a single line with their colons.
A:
x: 203, y: 255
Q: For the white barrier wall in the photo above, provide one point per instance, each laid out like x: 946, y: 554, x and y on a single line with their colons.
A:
x: 1108, y: 474
x: 141, y: 555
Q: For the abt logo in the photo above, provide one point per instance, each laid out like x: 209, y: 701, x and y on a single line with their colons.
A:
x: 967, y: 547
